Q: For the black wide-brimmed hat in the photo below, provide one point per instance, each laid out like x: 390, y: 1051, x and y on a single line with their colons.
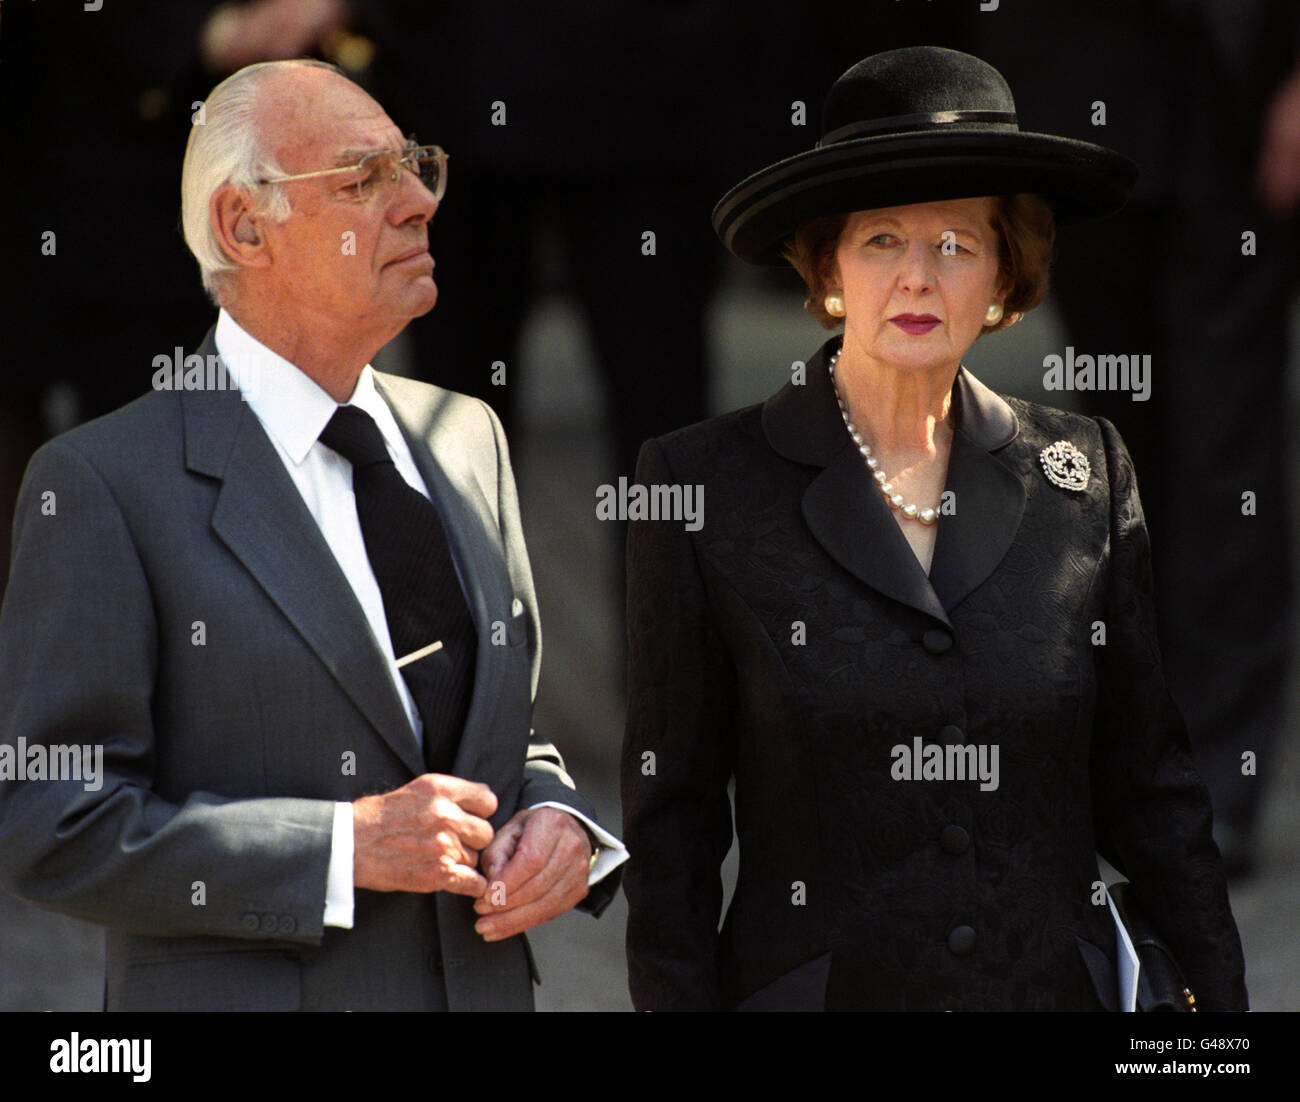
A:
x: 913, y: 126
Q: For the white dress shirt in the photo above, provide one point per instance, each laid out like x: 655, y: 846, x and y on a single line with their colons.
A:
x: 294, y: 411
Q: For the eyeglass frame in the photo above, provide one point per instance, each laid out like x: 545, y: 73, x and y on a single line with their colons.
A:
x: 412, y: 150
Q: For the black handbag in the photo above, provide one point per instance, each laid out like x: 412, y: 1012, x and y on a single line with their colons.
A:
x: 1161, y: 984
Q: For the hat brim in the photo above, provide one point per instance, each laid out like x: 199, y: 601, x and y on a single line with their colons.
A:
x: 1080, y: 180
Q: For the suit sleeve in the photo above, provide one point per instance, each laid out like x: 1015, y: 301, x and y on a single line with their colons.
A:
x: 79, y: 659
x: 545, y: 778
x: 1151, y: 809
x: 677, y: 761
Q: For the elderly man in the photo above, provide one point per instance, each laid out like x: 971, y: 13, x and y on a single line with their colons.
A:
x: 270, y: 644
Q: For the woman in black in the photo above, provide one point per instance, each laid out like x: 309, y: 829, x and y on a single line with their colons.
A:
x: 916, y: 624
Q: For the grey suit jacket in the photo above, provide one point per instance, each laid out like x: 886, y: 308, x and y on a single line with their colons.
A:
x: 173, y: 602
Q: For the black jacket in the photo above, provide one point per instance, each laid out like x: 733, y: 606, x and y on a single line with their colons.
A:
x: 794, y: 641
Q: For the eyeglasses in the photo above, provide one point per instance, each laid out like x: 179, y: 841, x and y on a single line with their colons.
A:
x: 383, y: 171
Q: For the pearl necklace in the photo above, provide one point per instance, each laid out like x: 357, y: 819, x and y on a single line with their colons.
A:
x: 908, y: 509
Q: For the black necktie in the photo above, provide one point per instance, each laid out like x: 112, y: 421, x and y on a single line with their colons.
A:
x: 423, y: 600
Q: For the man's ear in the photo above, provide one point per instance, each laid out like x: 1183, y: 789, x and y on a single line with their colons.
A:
x: 238, y: 229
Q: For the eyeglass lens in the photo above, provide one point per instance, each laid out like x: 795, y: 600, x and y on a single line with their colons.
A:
x: 386, y: 168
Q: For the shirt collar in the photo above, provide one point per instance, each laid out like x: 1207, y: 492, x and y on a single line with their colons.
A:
x: 292, y: 407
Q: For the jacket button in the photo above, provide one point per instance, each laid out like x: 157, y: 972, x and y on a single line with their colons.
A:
x: 250, y: 922
x: 954, y: 839
x: 287, y: 924
x: 936, y: 640
x: 435, y: 964
x: 961, y: 940
x: 952, y: 735
x: 269, y: 924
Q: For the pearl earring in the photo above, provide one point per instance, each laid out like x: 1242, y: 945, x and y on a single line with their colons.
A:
x: 993, y: 314
x: 834, y: 306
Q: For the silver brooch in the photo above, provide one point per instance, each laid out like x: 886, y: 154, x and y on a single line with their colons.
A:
x: 1065, y: 465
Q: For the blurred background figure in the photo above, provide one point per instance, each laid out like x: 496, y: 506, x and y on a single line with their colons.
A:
x: 97, y: 105
x: 577, y: 165
x: 1198, y: 273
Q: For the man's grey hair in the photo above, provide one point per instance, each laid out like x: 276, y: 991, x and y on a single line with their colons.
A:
x: 226, y: 147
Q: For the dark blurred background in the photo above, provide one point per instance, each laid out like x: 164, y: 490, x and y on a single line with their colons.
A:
x: 578, y: 128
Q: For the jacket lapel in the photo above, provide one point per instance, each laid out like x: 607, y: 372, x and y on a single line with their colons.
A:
x: 848, y: 516
x: 260, y: 516
x: 988, y: 494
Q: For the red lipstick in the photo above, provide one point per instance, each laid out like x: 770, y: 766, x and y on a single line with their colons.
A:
x: 916, y: 324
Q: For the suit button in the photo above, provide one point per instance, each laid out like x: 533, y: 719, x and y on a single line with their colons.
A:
x: 961, y: 940
x: 250, y: 922
x: 287, y: 924
x: 435, y: 964
x: 269, y: 924
x: 936, y: 640
x: 954, y: 839
x: 952, y: 735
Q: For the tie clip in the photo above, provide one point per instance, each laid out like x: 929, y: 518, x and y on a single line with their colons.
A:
x: 406, y: 660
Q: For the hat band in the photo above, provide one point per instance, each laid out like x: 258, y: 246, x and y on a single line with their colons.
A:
x: 914, y: 122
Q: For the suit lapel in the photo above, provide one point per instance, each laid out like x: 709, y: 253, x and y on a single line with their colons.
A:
x: 261, y: 517
x: 847, y: 515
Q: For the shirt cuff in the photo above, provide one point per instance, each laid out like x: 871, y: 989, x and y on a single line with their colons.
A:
x: 612, y: 852
x: 338, y: 884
